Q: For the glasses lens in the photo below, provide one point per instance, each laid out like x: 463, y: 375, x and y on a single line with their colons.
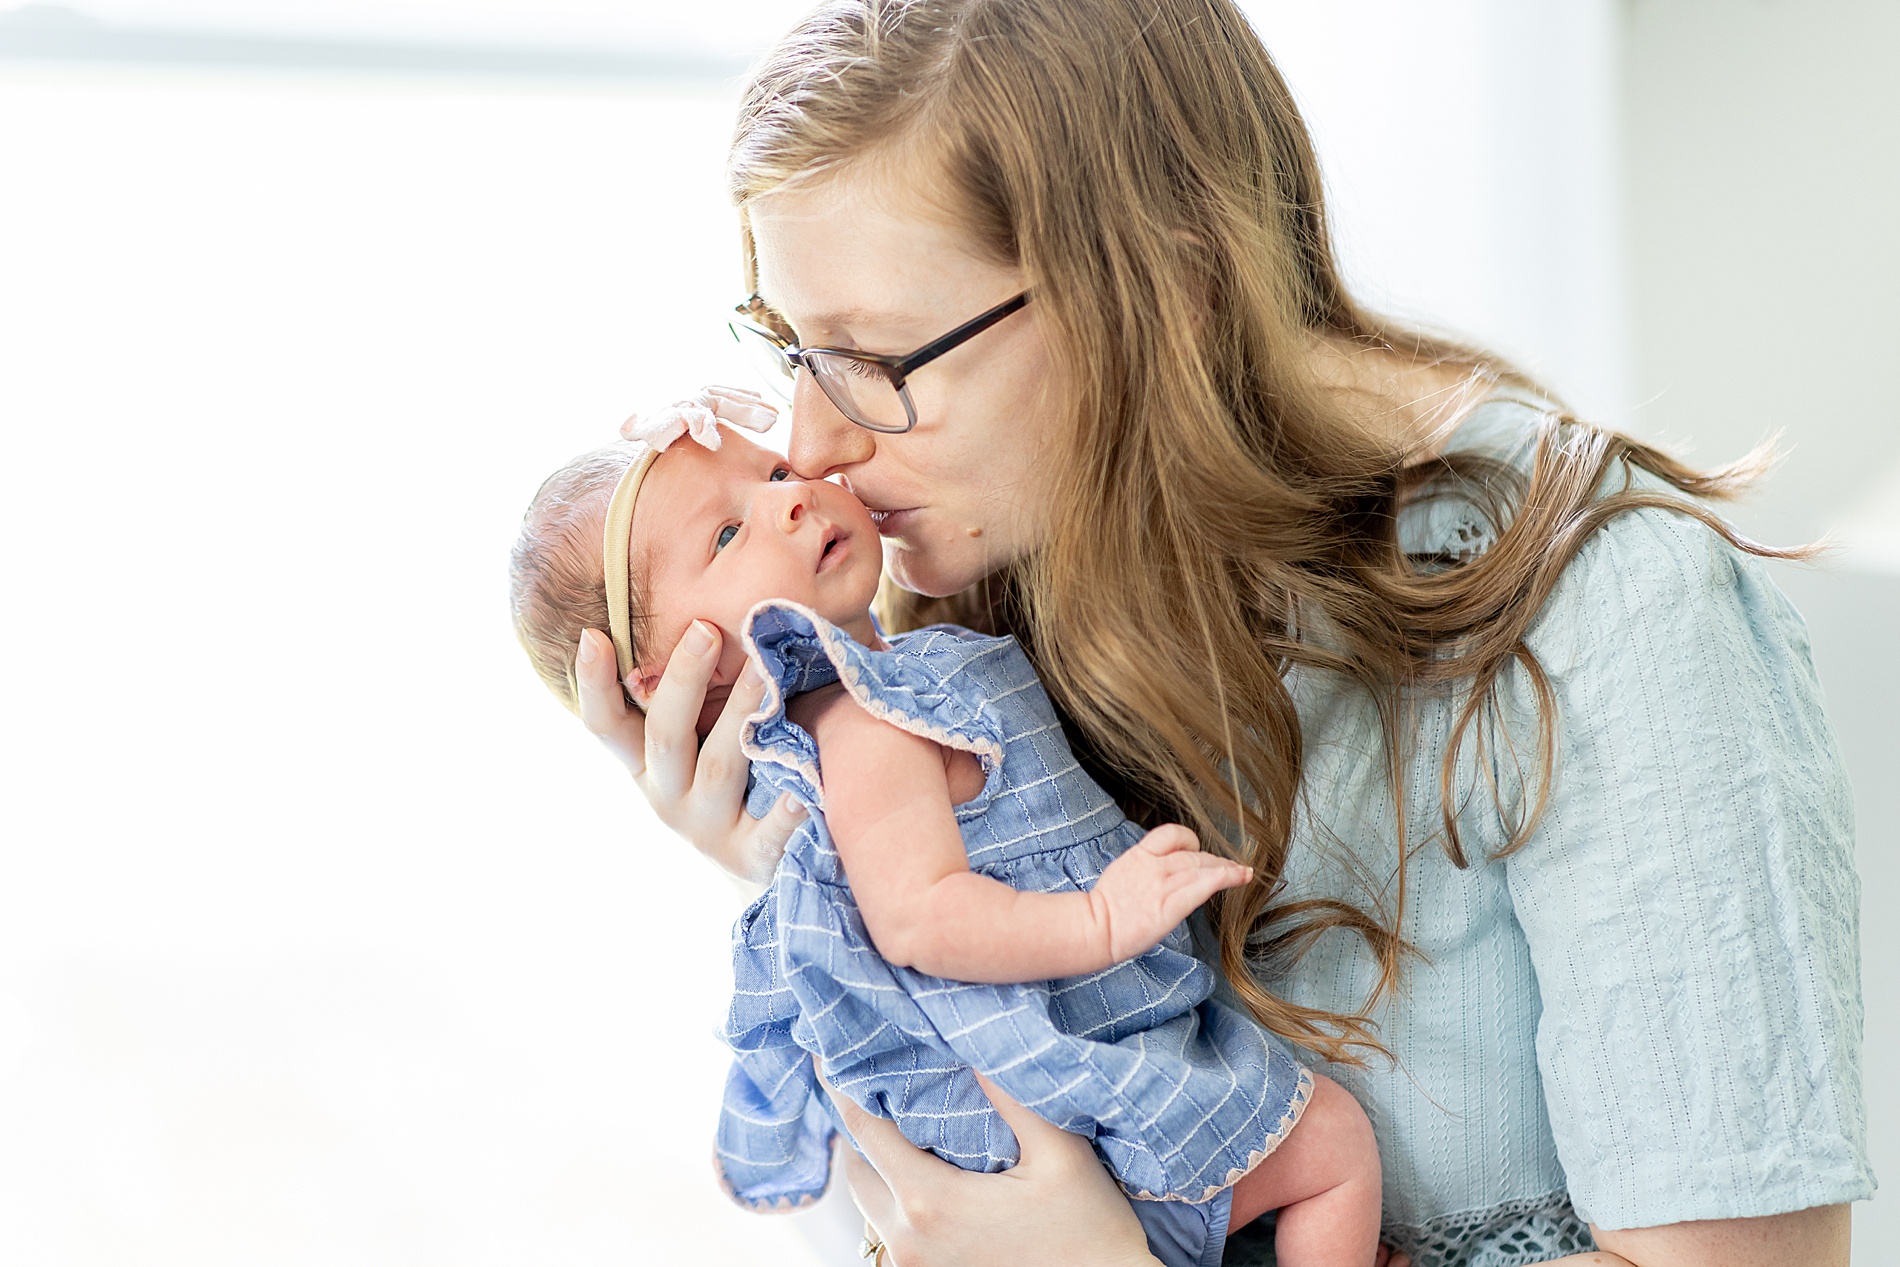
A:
x: 766, y: 358
x: 862, y: 391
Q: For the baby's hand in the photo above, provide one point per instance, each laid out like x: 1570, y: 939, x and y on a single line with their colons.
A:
x: 1158, y: 883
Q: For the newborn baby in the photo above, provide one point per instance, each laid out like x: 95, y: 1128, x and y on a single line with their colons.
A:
x: 962, y: 896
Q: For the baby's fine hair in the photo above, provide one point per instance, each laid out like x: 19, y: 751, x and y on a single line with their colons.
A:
x: 554, y: 574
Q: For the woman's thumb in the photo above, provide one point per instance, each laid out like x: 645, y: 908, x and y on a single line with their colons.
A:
x: 1041, y: 1141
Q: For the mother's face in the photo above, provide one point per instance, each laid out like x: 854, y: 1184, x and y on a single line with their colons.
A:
x: 859, y: 261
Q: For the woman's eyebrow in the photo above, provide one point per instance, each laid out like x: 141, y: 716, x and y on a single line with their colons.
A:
x: 845, y: 317
x: 854, y: 316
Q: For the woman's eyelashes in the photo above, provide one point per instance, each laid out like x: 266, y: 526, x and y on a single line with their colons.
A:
x: 729, y: 531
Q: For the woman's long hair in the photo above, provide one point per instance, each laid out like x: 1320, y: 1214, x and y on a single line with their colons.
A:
x: 1144, y: 164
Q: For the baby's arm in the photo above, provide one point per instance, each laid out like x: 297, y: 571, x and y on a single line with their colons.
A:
x: 888, y: 806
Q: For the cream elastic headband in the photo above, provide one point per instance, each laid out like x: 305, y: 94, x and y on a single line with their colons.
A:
x: 616, y: 546
x: 697, y: 416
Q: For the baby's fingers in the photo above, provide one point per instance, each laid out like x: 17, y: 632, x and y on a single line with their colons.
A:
x: 1191, y: 888
x: 1169, y: 838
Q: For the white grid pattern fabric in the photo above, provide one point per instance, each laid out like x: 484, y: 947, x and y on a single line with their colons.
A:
x: 1181, y: 1095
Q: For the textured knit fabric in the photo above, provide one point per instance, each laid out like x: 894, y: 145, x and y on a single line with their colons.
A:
x: 1651, y: 1012
x: 1181, y: 1095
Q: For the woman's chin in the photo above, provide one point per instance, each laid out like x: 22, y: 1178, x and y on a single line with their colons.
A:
x: 933, y: 573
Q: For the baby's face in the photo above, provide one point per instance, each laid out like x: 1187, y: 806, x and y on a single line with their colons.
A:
x: 720, y: 530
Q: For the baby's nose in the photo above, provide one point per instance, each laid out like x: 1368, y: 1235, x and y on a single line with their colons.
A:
x: 794, y: 502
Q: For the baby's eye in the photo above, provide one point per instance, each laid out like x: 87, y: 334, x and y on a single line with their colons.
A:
x: 781, y: 473
x: 726, y: 534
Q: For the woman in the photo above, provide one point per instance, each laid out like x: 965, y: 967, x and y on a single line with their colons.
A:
x: 1552, y: 843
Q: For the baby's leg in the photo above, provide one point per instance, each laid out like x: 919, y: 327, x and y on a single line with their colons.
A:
x: 1324, y: 1181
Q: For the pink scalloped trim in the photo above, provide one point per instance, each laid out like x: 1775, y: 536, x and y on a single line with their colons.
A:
x: 1295, y: 1110
x: 831, y: 640
x: 784, y: 1205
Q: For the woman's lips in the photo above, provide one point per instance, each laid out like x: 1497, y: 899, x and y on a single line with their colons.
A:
x: 890, y: 523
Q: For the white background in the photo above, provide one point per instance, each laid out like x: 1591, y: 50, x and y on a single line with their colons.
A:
x: 325, y: 936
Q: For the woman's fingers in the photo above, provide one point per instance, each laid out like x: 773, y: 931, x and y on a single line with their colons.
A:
x: 720, y: 785
x: 1058, y: 1205
x: 769, y: 838
x: 603, y: 706
x: 1042, y: 1142
x: 672, y: 738
x: 722, y: 767
x: 902, y: 1164
x: 868, y: 1190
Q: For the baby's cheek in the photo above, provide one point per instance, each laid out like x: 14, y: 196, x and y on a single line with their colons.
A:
x: 731, y: 657
x: 709, y: 711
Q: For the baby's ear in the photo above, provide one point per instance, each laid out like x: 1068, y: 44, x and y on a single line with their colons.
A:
x: 641, y: 685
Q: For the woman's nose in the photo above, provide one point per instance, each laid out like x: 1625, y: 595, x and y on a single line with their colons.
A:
x: 823, y: 441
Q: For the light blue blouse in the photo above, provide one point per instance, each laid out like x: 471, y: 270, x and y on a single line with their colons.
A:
x: 1650, y: 1013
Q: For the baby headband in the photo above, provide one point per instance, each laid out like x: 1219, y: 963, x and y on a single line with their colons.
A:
x: 698, y: 416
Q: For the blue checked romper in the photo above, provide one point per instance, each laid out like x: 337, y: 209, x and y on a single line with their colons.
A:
x: 1181, y: 1095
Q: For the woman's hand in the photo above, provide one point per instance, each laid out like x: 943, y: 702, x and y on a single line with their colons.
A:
x: 1057, y: 1205
x: 697, y: 789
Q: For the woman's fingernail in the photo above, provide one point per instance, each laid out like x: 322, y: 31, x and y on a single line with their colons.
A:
x: 751, y: 675
x: 699, y: 638
x: 588, y: 652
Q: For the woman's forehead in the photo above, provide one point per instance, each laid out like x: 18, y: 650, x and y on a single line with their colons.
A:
x: 853, y: 252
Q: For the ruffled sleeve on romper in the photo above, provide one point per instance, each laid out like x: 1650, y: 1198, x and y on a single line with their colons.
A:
x: 1181, y: 1095
x: 1690, y: 902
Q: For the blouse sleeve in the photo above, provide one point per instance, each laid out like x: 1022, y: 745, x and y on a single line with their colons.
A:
x: 1690, y: 899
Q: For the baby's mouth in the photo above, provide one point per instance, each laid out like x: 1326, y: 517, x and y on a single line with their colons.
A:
x: 832, y: 539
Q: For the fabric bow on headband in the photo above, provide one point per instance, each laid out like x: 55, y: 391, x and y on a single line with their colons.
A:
x: 698, y: 416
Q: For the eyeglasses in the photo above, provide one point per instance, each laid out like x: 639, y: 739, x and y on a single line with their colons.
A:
x: 866, y: 387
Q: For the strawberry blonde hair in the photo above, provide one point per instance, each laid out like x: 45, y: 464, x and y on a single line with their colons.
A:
x: 1144, y: 164
x: 555, y: 586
